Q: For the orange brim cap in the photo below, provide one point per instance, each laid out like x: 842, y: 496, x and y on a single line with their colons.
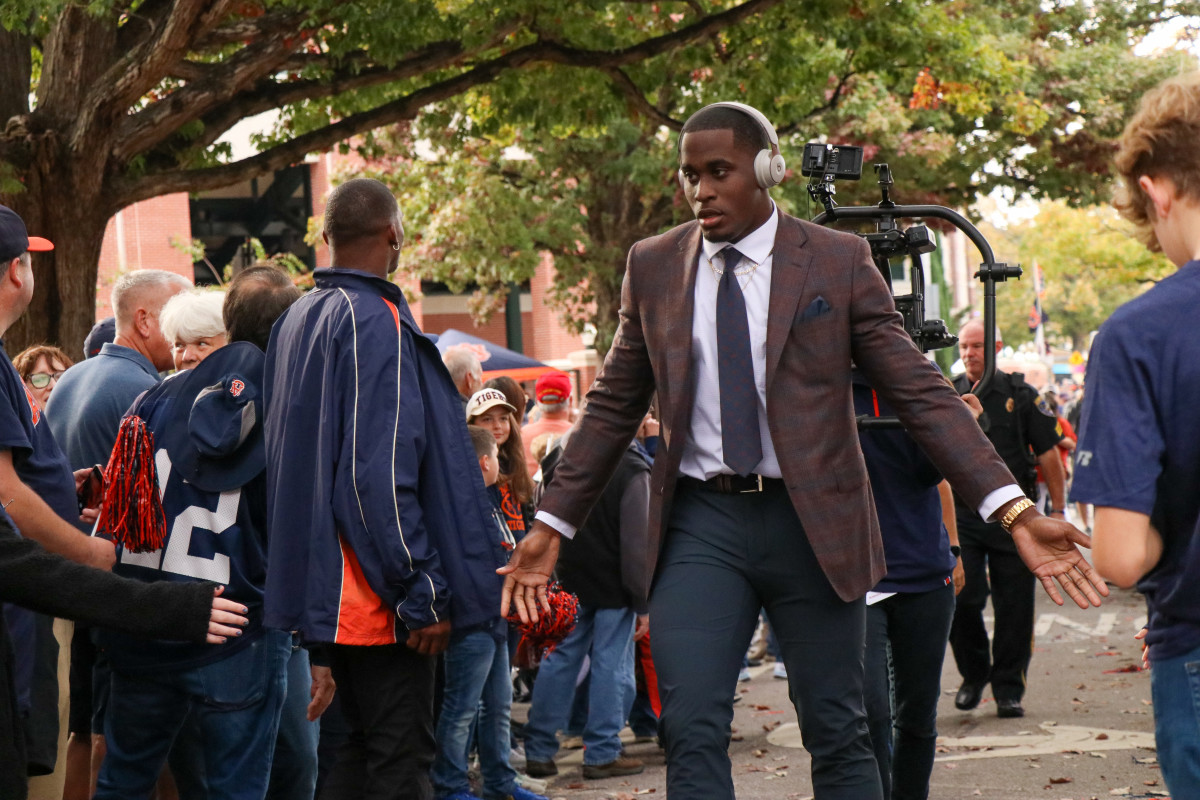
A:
x: 39, y: 245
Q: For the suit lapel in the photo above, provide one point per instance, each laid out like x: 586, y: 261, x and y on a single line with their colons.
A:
x: 681, y: 310
x: 789, y: 273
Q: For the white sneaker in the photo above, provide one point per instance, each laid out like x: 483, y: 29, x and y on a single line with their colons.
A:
x: 744, y: 675
x: 780, y: 670
x: 535, y: 785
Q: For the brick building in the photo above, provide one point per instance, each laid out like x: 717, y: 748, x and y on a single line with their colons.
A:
x: 157, y: 233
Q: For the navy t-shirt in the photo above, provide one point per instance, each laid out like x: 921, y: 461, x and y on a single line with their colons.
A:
x: 37, y: 458
x: 904, y: 485
x: 1139, y: 444
x: 41, y: 465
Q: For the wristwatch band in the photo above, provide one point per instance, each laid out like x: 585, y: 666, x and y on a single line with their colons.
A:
x: 1011, y: 515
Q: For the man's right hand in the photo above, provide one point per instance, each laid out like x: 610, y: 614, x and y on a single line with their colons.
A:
x: 430, y: 640
x: 528, y: 571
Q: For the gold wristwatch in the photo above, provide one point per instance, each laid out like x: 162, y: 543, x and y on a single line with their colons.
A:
x: 1011, y: 515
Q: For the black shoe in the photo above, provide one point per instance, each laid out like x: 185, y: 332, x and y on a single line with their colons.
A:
x: 540, y: 769
x: 969, y: 695
x: 624, y: 765
x: 1009, y: 708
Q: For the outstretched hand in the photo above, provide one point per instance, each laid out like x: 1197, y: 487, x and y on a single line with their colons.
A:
x: 528, y: 572
x: 1050, y: 548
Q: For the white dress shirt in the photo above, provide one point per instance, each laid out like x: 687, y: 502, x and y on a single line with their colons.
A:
x: 703, y: 452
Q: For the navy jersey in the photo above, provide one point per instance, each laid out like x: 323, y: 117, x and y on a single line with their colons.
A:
x: 1139, y: 444
x: 217, y: 536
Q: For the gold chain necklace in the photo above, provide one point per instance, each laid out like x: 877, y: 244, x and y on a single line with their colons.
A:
x: 737, y: 273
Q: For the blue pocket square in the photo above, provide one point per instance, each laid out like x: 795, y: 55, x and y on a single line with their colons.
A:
x: 815, y: 309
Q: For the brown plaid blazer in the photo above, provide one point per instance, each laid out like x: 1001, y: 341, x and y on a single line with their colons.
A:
x: 828, y: 305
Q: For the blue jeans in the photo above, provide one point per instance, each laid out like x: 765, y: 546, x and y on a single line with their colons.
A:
x: 607, y: 633
x: 232, y: 705
x: 906, y: 644
x: 294, y: 770
x: 477, y: 679
x: 1175, y: 689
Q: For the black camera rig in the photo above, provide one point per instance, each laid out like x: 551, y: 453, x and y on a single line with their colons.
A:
x: 825, y: 163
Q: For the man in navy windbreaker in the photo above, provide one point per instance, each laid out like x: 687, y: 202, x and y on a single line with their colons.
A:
x: 376, y: 505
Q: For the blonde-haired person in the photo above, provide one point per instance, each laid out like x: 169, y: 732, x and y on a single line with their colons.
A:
x: 40, y: 367
x: 1138, y: 457
x: 192, y: 323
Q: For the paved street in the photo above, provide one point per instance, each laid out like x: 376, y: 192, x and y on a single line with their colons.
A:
x: 1087, y: 733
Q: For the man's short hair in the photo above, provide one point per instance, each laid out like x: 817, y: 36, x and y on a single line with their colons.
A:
x: 192, y: 316
x: 746, y: 130
x: 132, y: 289
x: 460, y: 361
x: 358, y: 209
x: 1162, y: 140
x: 256, y: 297
x: 483, y: 441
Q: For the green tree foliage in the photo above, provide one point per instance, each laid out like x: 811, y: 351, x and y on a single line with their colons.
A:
x: 960, y: 98
x: 1091, y: 263
x: 108, y: 102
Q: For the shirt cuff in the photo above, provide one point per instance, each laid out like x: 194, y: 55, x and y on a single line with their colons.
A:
x: 563, y: 527
x: 998, y: 498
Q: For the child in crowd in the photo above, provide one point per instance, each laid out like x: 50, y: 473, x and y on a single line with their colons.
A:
x: 477, y: 678
x: 491, y: 409
x: 1138, y: 459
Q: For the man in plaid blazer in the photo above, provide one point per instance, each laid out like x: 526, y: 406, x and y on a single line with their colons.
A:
x: 759, y: 494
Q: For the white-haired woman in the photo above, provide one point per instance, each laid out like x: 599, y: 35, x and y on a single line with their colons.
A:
x: 192, y: 322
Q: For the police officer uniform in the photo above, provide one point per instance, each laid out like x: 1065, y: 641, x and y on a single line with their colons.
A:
x: 1020, y: 429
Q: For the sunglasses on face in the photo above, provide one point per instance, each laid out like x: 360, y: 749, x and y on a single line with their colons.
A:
x: 40, y: 380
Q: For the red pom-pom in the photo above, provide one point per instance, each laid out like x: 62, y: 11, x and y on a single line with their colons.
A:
x: 551, y: 627
x: 132, y: 513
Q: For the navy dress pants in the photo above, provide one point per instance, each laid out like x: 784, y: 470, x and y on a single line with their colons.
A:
x: 725, y: 556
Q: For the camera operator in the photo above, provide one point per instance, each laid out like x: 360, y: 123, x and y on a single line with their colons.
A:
x: 1016, y: 424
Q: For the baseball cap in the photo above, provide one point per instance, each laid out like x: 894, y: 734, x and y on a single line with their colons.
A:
x: 219, y: 446
x: 15, y: 239
x: 484, y: 399
x: 102, y: 333
x: 553, y: 387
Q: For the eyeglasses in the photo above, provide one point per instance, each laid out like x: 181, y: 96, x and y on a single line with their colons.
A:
x: 40, y: 380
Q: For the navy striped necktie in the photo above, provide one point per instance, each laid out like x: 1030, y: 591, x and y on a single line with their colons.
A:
x: 740, y: 438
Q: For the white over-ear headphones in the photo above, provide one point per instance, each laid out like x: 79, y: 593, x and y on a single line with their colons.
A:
x: 768, y: 163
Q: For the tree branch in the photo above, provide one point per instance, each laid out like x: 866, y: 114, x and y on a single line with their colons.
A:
x: 143, y: 67
x: 269, y: 94
x: 829, y: 105
x: 129, y: 190
x: 15, y: 70
x: 631, y: 91
x: 142, y: 131
x: 442, y: 54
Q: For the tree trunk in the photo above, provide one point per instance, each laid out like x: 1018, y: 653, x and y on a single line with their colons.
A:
x: 63, y: 309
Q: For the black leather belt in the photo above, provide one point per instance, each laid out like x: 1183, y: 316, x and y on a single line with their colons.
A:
x: 731, y: 484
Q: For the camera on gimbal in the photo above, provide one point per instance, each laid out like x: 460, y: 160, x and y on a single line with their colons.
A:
x: 825, y: 163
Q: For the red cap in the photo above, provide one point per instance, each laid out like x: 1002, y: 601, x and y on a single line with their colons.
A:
x: 553, y: 387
